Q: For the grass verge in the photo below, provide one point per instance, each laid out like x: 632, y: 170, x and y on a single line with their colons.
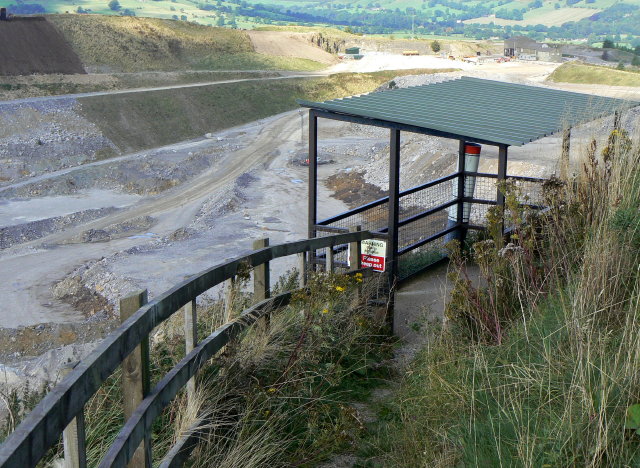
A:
x: 577, y: 72
x: 20, y: 87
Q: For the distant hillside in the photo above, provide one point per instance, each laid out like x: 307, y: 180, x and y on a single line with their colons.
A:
x: 472, y: 18
x: 33, y: 45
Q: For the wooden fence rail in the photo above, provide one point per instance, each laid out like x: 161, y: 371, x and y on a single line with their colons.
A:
x: 44, y: 425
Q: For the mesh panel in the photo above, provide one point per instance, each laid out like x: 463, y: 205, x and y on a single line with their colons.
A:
x: 422, y: 257
x: 426, y: 199
x: 372, y: 219
x: 422, y: 229
x: 530, y: 191
x: 485, y: 187
x: 479, y: 187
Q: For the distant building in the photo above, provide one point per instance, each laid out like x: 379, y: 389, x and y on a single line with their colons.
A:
x: 525, y: 48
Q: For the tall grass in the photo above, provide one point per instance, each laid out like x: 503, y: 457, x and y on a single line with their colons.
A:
x: 276, y: 395
x: 541, y: 370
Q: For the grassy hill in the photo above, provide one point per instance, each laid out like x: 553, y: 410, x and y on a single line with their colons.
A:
x: 576, y: 72
x: 547, y: 15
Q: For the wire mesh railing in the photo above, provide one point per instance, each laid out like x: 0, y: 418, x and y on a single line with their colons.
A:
x: 428, y: 213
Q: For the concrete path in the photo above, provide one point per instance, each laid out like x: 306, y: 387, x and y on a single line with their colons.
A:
x: 420, y: 304
x: 421, y: 299
x: 419, y: 308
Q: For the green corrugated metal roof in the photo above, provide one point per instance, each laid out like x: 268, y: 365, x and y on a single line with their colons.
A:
x: 479, y: 110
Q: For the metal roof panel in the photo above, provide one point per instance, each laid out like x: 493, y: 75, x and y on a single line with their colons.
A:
x: 479, y: 109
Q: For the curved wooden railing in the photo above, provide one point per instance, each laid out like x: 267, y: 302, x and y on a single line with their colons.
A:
x: 44, y: 425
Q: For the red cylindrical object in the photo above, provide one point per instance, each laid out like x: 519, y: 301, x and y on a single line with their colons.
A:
x: 472, y: 148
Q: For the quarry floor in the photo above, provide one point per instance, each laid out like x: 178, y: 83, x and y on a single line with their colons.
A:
x: 83, y: 231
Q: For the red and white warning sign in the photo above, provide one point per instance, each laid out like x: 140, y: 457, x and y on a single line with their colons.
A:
x: 373, y: 253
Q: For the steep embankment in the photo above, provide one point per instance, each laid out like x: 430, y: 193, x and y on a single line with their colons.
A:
x: 33, y: 45
x: 145, y: 120
x: 130, y: 44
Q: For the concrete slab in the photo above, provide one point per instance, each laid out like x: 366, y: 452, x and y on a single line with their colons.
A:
x: 420, y: 305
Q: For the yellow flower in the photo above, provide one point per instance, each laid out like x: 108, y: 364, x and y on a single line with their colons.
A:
x: 267, y: 413
x: 272, y: 390
x: 339, y: 288
x: 325, y: 311
x: 358, y: 275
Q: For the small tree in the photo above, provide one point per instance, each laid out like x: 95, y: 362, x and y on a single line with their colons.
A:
x: 636, y: 61
x: 114, y: 5
x: 608, y: 44
x: 435, y: 46
x: 620, y: 66
x: 220, y: 21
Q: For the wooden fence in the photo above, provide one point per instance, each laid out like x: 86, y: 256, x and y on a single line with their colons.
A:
x: 61, y: 412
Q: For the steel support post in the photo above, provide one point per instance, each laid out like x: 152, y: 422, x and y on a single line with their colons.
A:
x: 502, y: 176
x: 313, y: 182
x: 394, y: 215
x: 461, y: 231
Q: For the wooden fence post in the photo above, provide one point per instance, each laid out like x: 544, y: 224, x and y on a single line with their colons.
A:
x: 135, y: 377
x: 565, y: 155
x: 229, y: 298
x: 302, y: 267
x: 329, y: 255
x: 354, y: 251
x: 191, y: 339
x: 261, y: 280
x: 73, y: 436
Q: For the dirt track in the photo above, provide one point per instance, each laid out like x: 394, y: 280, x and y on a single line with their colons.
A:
x: 33, y: 45
x: 29, y: 271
